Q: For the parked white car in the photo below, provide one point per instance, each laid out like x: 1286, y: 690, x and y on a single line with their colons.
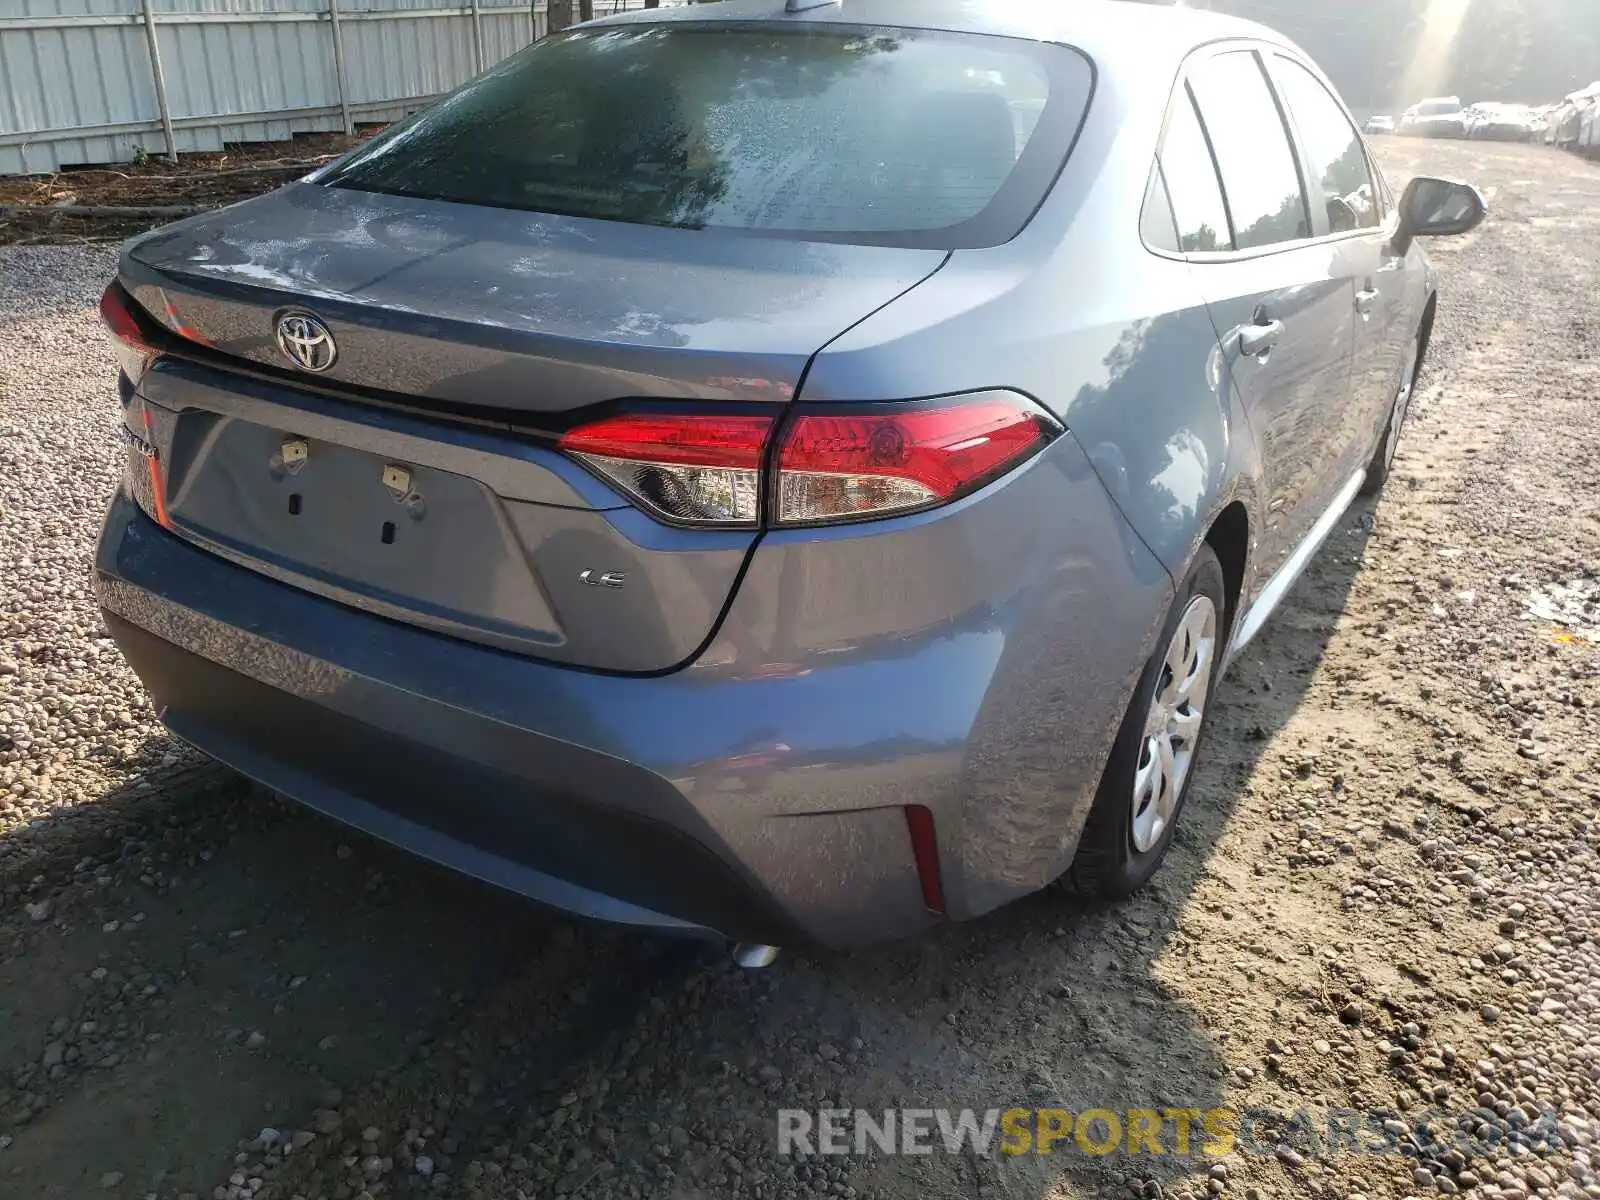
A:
x: 1440, y: 117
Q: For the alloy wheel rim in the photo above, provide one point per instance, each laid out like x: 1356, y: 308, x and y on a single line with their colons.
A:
x: 1402, y: 402
x: 1172, y: 725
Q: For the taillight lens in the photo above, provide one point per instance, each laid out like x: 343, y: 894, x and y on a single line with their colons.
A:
x: 696, y: 469
x: 134, y: 351
x: 848, y: 466
x: 837, y: 464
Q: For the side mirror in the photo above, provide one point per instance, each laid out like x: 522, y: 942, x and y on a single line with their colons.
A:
x: 1439, y: 207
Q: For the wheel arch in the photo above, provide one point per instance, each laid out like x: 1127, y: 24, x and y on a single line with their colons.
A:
x: 1425, y: 333
x: 1229, y: 539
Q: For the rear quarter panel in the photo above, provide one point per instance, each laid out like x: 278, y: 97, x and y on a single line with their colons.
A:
x: 1112, y: 338
x: 975, y: 659
x: 1118, y: 344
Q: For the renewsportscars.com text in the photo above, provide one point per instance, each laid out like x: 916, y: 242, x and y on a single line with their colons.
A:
x: 1208, y: 1133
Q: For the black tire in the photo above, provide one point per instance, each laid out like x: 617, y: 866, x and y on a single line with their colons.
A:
x: 1108, y: 865
x: 1382, y: 464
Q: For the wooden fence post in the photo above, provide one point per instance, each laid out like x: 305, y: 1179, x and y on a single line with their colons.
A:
x: 160, y: 80
x: 338, y: 67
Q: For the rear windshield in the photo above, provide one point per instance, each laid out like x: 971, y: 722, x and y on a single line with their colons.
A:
x: 1439, y: 108
x: 837, y: 133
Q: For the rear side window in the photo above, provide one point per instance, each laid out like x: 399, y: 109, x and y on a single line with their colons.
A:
x: 1260, y: 180
x: 1333, y: 149
x: 832, y: 132
x: 1156, y: 224
x: 1191, y: 178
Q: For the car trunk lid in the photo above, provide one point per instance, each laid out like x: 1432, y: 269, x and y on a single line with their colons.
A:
x: 482, y: 529
x: 525, y: 314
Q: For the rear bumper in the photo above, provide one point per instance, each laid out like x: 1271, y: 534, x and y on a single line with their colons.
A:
x: 483, y: 821
x: 759, y: 793
x: 472, y: 758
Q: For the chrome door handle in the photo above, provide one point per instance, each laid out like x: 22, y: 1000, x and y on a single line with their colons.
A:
x: 1255, y: 340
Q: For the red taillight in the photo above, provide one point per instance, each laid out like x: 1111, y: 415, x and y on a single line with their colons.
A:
x: 135, y: 354
x: 925, y: 851
x: 695, y: 468
x: 134, y: 351
x: 693, y: 440
x: 844, y: 467
x: 158, y: 485
x: 834, y: 464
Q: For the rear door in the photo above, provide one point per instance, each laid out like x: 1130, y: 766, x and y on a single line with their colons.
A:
x: 1351, y: 201
x: 1281, y: 303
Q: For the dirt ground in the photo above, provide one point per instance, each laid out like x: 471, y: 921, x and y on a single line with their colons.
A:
x: 37, y: 209
x: 1382, y: 897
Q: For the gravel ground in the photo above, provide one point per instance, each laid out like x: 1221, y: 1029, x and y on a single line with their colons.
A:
x: 1383, y: 896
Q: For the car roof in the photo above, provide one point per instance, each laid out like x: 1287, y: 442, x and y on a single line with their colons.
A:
x: 1110, y: 31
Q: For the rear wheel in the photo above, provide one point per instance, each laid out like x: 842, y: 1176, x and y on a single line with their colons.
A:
x: 1383, y: 458
x: 1152, y: 762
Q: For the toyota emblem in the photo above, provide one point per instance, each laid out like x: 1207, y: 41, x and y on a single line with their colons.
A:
x: 306, y: 341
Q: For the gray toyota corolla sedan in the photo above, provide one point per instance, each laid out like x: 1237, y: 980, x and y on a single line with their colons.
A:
x: 792, y: 475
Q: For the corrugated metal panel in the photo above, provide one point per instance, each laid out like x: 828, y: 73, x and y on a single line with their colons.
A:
x: 506, y: 32
x: 70, y: 77
x: 76, y: 84
x: 72, y: 8
x: 415, y: 57
x: 268, y: 66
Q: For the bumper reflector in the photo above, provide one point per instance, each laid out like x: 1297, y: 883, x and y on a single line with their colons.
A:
x: 925, y: 848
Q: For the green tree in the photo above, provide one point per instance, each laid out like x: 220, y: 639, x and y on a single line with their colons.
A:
x: 1486, y: 59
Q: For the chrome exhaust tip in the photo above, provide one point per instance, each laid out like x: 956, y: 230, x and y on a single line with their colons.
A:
x: 753, y: 956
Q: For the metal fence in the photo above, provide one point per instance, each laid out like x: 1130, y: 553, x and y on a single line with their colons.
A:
x: 97, y: 81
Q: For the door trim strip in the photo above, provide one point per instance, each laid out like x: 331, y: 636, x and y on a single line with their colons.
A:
x: 1278, y: 586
